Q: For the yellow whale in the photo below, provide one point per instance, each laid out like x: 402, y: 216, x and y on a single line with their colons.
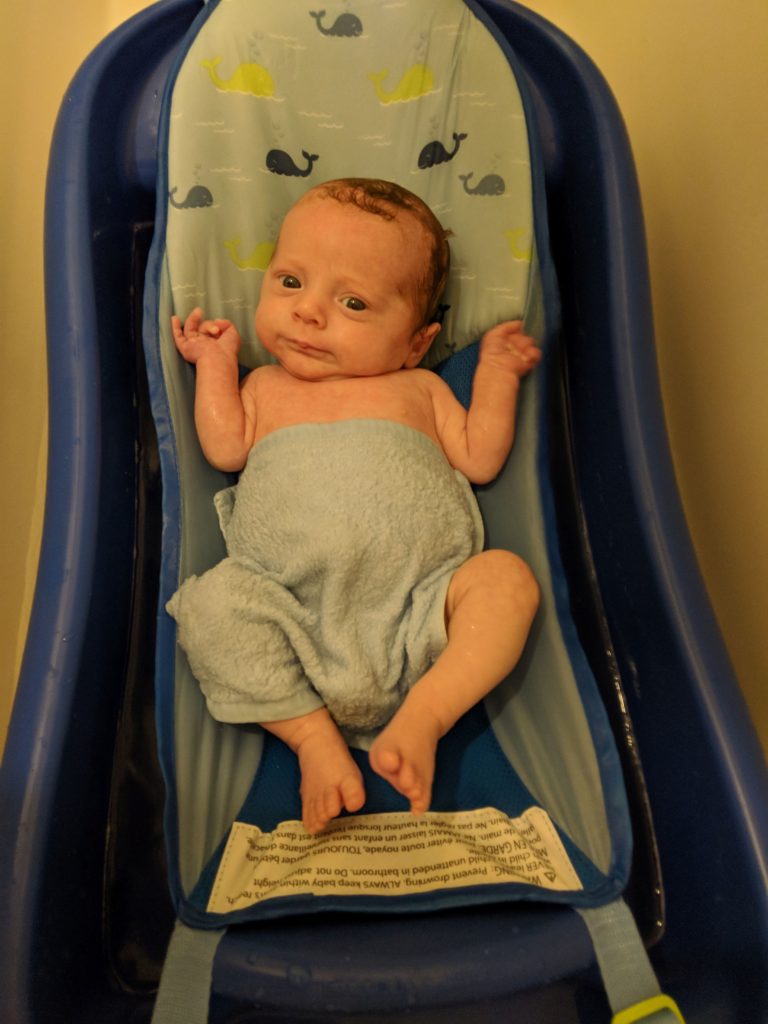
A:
x: 253, y: 79
x: 259, y: 258
x: 520, y: 244
x: 416, y: 82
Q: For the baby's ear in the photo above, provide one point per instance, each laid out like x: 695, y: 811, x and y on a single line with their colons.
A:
x: 420, y: 343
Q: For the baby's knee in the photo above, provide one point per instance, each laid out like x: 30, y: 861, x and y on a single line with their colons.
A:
x: 502, y: 577
x: 511, y: 578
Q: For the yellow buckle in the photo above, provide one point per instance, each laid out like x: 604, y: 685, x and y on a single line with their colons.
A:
x: 648, y: 1006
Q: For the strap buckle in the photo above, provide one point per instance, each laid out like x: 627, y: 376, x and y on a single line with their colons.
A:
x: 647, y: 1008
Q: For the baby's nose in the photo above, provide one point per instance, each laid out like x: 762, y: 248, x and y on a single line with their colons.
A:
x: 309, y: 309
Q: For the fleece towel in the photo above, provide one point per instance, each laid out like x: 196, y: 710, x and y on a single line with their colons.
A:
x: 341, y: 542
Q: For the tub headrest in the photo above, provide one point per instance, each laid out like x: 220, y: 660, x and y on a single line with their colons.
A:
x: 272, y: 99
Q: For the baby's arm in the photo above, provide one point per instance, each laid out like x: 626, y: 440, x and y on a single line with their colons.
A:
x: 477, y: 442
x: 225, y: 422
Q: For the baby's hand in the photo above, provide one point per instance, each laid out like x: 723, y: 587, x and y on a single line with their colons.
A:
x: 506, y: 347
x: 199, y: 336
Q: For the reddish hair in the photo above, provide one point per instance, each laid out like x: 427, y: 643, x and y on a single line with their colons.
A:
x: 385, y: 199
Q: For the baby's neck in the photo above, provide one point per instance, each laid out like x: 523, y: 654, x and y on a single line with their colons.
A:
x: 401, y: 396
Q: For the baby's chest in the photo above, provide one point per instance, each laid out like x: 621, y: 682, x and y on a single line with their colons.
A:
x: 293, y: 402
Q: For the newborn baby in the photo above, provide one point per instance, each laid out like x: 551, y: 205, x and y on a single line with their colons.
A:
x: 356, y: 597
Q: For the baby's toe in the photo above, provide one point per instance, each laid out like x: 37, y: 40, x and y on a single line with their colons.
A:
x: 386, y: 761
x: 420, y: 801
x: 352, y: 793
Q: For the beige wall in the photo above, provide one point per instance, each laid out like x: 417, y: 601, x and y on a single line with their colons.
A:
x: 53, y: 38
x: 691, y: 78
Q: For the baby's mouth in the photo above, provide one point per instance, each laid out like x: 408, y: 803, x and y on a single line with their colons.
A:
x: 305, y: 346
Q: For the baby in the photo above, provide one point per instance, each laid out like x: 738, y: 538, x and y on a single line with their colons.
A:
x: 347, y: 309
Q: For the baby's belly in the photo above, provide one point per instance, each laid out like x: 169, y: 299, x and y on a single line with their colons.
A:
x: 320, y: 496
x: 322, y: 417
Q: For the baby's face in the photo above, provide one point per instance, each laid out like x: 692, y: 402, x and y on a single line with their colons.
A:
x: 339, y: 298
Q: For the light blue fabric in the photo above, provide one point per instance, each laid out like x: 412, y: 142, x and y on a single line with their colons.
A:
x: 626, y: 970
x: 217, y: 139
x: 342, y: 539
x: 273, y: 99
x: 185, y: 986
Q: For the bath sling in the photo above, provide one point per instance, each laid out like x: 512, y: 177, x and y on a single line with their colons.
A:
x: 265, y: 100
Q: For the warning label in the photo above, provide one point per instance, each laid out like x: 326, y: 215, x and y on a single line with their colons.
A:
x: 390, y: 855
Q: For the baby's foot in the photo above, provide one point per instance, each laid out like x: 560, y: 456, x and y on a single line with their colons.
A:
x: 404, y: 754
x: 330, y: 781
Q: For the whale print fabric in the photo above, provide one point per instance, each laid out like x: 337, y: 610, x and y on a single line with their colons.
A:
x: 275, y: 97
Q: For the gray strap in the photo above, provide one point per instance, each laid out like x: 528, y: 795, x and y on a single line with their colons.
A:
x: 185, y: 985
x: 628, y: 976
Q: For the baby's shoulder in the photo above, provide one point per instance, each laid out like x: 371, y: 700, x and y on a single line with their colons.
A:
x: 426, y: 380
x: 261, y: 376
x: 433, y: 386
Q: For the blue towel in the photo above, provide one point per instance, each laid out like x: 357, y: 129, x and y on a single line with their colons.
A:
x: 341, y: 539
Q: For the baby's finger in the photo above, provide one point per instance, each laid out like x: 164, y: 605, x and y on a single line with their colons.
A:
x: 530, y: 357
x: 190, y: 324
x: 179, y: 333
x: 210, y: 327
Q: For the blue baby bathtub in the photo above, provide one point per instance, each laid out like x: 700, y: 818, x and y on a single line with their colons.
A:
x: 82, y: 870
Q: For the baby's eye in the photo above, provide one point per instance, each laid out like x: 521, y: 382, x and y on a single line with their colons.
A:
x: 289, y: 281
x: 355, y: 304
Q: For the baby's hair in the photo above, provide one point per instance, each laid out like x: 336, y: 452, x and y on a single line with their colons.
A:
x: 384, y: 199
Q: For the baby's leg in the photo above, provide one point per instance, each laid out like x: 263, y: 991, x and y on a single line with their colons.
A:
x: 330, y: 779
x: 490, y: 605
